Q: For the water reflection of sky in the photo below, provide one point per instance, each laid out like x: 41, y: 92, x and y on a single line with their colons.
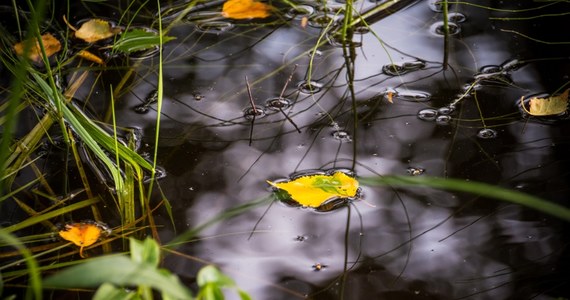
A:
x: 413, y: 243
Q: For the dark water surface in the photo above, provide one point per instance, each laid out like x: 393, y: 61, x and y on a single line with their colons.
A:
x: 460, y: 118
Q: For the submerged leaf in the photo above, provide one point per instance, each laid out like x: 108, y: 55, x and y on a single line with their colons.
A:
x: 51, y: 45
x: 95, y: 30
x: 245, y: 9
x: 138, y: 40
x: 314, y: 190
x: 553, y: 105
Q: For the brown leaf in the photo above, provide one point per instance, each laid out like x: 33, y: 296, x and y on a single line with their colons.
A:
x: 51, y: 45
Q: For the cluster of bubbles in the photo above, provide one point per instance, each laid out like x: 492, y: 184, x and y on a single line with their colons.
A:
x: 441, y: 116
x: 273, y: 105
x: 453, y: 20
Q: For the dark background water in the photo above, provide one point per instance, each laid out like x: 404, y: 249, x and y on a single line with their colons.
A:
x: 401, y: 244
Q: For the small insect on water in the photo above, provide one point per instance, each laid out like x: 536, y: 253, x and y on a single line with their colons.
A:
x: 318, y: 267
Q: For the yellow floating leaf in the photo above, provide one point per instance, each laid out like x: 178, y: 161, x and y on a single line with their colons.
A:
x: 51, y: 45
x: 82, y: 234
x: 95, y: 30
x: 314, y: 190
x: 553, y: 105
x: 245, y: 9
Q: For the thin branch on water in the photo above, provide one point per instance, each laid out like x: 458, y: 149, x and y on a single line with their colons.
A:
x: 254, y: 109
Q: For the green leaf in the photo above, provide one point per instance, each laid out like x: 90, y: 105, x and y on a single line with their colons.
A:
x: 120, y: 271
x: 147, y: 251
x: 108, y: 291
x: 210, y: 274
x: 138, y: 40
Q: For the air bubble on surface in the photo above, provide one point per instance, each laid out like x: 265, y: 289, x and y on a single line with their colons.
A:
x: 250, y: 113
x: 214, y: 26
x: 439, y: 29
x: 443, y: 120
x: 277, y: 103
x: 487, y: 133
x: 342, y: 136
x: 309, y: 87
x: 427, y: 114
x: 456, y: 17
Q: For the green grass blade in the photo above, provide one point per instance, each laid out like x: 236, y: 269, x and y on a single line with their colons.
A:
x: 477, y: 188
x: 31, y: 263
x: 46, y: 216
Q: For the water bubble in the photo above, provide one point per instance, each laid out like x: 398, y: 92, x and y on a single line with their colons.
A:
x: 443, y: 120
x: 446, y: 110
x: 393, y: 69
x: 436, y: 5
x: 487, y: 133
x: 198, y: 96
x: 439, y: 29
x: 490, y: 69
x: 159, y: 173
x: 456, y: 17
x: 336, y: 39
x: 427, y: 114
x: 251, y: 113
x: 415, y: 171
x: 413, y: 65
x: 405, y: 67
x: 342, y: 136
x: 320, y: 20
x: 309, y: 87
x: 299, y: 12
x: 511, y: 65
x: 214, y: 26
x: 316, y: 53
x: 277, y: 103
x: 413, y: 96
x: 362, y: 29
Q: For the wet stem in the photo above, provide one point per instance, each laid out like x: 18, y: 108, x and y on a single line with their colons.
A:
x: 349, y: 53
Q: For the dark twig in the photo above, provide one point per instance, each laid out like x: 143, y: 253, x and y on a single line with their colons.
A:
x: 281, y: 97
x: 254, y: 110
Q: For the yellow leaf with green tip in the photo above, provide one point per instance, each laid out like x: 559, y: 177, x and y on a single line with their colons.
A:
x: 314, y: 190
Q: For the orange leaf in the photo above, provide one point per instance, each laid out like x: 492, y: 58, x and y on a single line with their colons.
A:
x: 83, y: 234
x: 51, y: 45
x: 245, y: 9
x: 90, y: 56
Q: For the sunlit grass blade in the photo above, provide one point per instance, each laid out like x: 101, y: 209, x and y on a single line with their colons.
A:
x: 477, y: 188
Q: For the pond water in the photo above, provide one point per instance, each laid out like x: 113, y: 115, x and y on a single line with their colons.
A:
x: 421, y: 110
